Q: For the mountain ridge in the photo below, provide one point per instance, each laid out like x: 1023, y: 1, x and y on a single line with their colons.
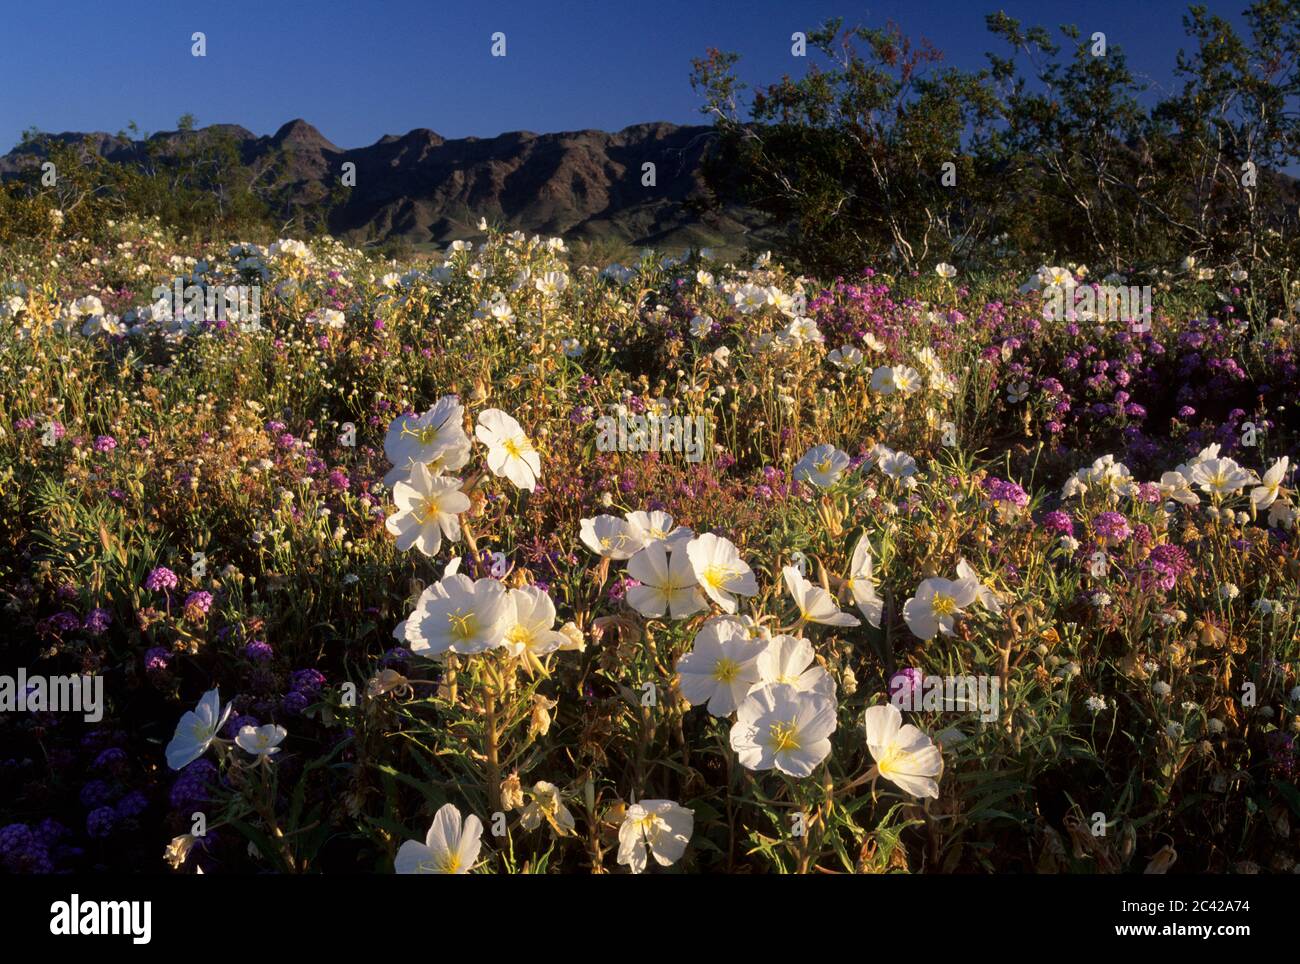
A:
x: 424, y: 188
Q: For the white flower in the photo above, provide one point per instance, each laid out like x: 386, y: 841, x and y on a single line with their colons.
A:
x: 936, y: 602
x: 609, y: 536
x: 945, y: 270
x: 896, y: 465
x: 861, y: 583
x: 328, y: 317
x: 721, y: 667
x: 801, y: 331
x: 667, y: 584
x: 1228, y: 590
x: 656, y: 526
x: 1220, y: 476
x: 1281, y: 514
x: 1017, y: 392
x: 657, y: 828
x: 1177, y: 486
x: 791, y: 660
x: 780, y: 727
x: 436, y: 438
x: 822, y: 465
x: 449, y: 847
x: 429, y: 507
x: 987, y: 597
x: 552, y: 283
x: 461, y: 615
x: 816, y: 605
x: 904, y: 755
x: 701, y: 325
x: 102, y: 324
x: 720, y: 571
x: 289, y: 248
x: 1095, y: 704
x: 886, y: 379
x: 261, y: 741
x: 532, y: 628
x: 1266, y: 494
x: 196, y: 730
x: 846, y: 357
x: 751, y: 298
x: 510, y: 453
x: 548, y: 805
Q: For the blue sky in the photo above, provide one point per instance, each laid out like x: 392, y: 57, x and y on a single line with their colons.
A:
x: 359, y: 70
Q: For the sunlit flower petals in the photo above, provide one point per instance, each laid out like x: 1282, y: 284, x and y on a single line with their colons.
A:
x: 986, y: 596
x: 1220, y: 476
x: 904, y: 755
x: 822, y: 465
x: 450, y: 847
x: 532, y: 625
x: 791, y: 660
x: 654, y: 828
x: 609, y: 536
x: 720, y: 668
x: 460, y: 615
x: 667, y: 583
x: 936, y: 604
x: 720, y: 571
x: 197, y: 729
x: 423, y: 439
x: 779, y: 727
x: 429, y: 508
x: 261, y: 741
x: 1270, y: 485
x: 861, y: 583
x: 510, y: 452
x: 815, y: 604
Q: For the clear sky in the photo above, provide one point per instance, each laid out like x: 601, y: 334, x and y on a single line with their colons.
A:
x: 358, y: 70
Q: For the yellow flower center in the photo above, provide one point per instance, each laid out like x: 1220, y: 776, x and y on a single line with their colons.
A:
x: 783, y: 737
x: 426, y: 435
x: 429, y: 510
x: 718, y: 576
x: 725, y: 670
x: 516, y: 447
x: 894, y: 761
x: 448, y: 863
x: 464, y: 625
x: 943, y: 605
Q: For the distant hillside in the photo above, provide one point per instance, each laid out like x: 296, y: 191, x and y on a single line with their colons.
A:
x: 421, y: 187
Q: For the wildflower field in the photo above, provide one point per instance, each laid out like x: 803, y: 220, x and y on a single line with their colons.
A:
x: 495, y: 561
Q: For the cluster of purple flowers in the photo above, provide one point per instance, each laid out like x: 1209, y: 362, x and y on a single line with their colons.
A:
x: 1111, y: 528
x: 31, y: 850
x: 1164, y: 565
x: 1058, y: 523
x: 161, y: 578
x: 1006, y: 497
x: 304, y: 689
